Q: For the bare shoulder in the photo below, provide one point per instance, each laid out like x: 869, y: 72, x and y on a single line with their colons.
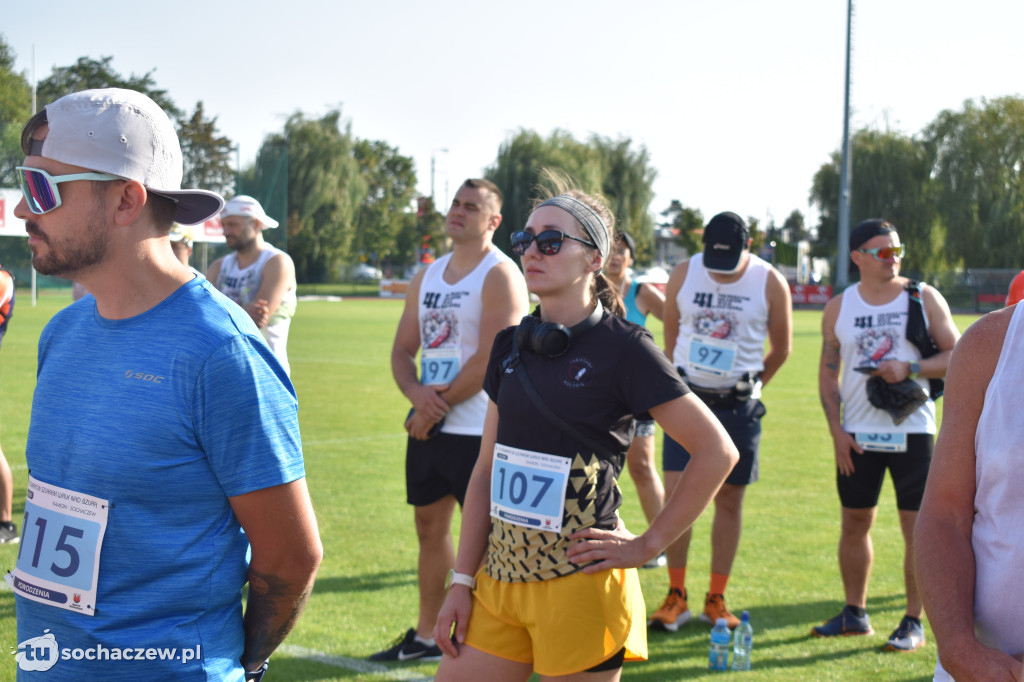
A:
x: 983, y: 341
x: 214, y: 269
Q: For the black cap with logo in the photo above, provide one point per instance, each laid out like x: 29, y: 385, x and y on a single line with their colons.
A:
x: 725, y: 238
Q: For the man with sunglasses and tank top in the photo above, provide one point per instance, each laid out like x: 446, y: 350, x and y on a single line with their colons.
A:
x: 720, y: 306
x: 864, y: 332
x: 150, y: 501
x: 453, y: 309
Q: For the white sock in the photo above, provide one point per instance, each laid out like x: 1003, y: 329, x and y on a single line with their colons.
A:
x: 427, y: 642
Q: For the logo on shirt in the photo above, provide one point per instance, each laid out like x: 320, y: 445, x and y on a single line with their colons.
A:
x: 875, y: 345
x: 577, y: 373
x: 440, y: 330
x: 144, y: 376
x: 715, y: 324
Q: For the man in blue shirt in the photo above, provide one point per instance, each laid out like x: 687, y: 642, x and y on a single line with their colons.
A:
x: 164, y: 452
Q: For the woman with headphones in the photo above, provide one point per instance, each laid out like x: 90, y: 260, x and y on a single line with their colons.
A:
x: 545, y: 577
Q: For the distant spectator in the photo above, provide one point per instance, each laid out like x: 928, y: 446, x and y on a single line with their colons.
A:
x: 8, y: 531
x: 1016, y: 292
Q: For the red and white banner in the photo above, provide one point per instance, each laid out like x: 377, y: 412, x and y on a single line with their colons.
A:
x: 9, y: 225
x: 810, y: 293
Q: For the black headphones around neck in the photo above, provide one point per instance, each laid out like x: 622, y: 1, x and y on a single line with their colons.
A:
x: 550, y: 338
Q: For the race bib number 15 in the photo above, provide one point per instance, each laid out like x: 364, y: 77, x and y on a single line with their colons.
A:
x: 59, y: 554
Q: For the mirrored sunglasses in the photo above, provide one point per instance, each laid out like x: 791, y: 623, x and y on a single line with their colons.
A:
x: 549, y: 242
x: 40, y: 188
x: 886, y: 253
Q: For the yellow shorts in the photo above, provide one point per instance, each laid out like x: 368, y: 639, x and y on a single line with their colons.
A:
x: 561, y: 626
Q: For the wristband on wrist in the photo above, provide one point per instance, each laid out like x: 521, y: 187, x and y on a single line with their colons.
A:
x: 456, y: 578
x: 915, y: 368
x: 257, y: 675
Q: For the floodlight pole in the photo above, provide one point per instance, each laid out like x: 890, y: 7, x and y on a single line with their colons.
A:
x: 845, y: 166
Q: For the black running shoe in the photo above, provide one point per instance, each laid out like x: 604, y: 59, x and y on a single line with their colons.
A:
x: 407, y: 648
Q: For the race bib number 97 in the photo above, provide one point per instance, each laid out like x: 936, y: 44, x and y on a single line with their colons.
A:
x: 528, y: 488
x: 59, y: 553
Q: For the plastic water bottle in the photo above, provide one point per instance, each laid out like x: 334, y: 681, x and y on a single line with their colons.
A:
x: 718, y: 652
x: 742, y: 643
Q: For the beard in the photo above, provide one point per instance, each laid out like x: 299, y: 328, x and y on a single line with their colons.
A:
x: 65, y: 257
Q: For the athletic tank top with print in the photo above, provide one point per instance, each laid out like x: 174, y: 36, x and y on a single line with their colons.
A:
x: 869, y: 334
x: 722, y: 327
x: 241, y: 284
x: 633, y: 313
x: 449, y: 316
x: 997, y: 534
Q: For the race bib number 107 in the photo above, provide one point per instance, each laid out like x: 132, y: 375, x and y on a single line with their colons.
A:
x: 528, y: 488
x: 59, y: 554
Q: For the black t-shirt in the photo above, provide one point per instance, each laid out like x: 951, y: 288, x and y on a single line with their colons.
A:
x: 609, y: 374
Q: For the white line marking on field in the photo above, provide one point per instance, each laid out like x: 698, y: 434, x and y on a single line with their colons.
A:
x: 353, y: 664
x: 357, y: 439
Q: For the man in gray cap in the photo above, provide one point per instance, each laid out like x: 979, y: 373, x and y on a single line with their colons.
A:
x: 150, y: 503
x: 868, y: 331
x: 258, y: 276
x: 720, y: 306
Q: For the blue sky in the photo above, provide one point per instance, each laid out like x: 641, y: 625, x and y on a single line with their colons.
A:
x: 738, y: 102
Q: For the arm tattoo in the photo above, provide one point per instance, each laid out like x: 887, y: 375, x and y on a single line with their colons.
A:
x: 271, y: 611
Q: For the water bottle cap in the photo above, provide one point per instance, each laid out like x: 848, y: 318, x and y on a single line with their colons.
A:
x: 745, y: 615
x: 721, y: 623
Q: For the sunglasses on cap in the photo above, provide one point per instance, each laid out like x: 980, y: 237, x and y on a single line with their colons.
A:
x: 40, y: 188
x: 885, y: 253
x: 549, y: 242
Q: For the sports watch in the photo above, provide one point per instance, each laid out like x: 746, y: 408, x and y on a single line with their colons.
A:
x: 456, y: 578
x: 915, y: 368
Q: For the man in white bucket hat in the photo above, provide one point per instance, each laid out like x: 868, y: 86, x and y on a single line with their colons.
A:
x: 257, y: 276
x: 150, y: 504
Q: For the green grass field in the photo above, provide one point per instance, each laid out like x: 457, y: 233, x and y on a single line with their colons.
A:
x: 351, y: 413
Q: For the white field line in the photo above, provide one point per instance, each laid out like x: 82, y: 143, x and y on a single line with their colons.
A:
x: 353, y: 664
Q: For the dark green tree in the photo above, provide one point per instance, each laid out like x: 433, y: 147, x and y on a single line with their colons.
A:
x: 390, y: 180
x: 627, y: 182
x: 516, y: 172
x: 15, y: 109
x: 207, y: 155
x: 793, y: 228
x: 612, y: 167
x: 325, y: 190
x: 891, y: 179
x: 978, y: 155
x: 87, y: 73
x: 686, y: 223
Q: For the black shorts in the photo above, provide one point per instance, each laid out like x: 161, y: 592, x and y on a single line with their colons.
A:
x: 438, y: 467
x: 743, y: 424
x: 909, y: 471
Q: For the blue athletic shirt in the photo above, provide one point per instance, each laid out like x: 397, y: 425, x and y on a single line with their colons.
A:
x: 166, y: 415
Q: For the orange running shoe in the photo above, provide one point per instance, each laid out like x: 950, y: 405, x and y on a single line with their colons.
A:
x: 672, y: 614
x: 714, y: 608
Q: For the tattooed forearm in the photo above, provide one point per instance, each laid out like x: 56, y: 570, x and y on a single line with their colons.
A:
x: 271, y: 611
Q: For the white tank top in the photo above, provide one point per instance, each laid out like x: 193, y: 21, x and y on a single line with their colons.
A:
x: 867, y: 335
x: 722, y: 327
x: 241, y: 285
x: 997, y: 535
x: 449, y: 316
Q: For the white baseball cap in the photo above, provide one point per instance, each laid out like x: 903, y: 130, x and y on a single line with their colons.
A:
x: 124, y: 133
x: 250, y: 208
x: 181, y: 233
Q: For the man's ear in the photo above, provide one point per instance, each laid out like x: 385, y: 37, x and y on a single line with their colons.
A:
x: 130, y: 196
x: 495, y: 221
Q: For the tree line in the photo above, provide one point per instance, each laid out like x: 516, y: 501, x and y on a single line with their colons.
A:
x: 955, y: 190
